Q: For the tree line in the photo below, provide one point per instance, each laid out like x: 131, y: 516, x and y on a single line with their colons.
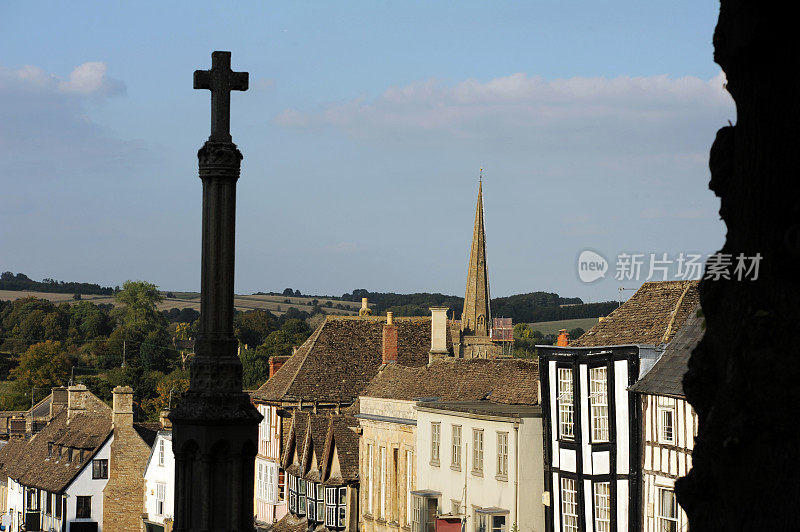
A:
x: 43, y: 345
x: 20, y: 281
x: 521, y: 308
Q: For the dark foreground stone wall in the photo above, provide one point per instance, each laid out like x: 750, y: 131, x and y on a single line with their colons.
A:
x: 744, y: 377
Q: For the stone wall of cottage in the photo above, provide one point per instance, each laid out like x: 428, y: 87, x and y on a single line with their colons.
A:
x: 398, y: 441
x: 124, y: 494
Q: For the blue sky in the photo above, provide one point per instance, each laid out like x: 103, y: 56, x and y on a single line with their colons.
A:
x: 362, y: 133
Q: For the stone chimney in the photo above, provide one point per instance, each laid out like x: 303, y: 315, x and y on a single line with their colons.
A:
x: 123, y: 407
x: 76, y: 400
x: 364, y: 310
x: 166, y: 424
x: 275, y: 363
x: 58, y: 402
x: 438, y: 333
x: 389, y: 350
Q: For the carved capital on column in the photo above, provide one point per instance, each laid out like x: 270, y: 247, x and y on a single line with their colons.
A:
x: 219, y: 159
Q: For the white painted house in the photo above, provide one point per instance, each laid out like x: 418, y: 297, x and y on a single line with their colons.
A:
x: 669, y: 429
x: 159, y: 485
x: 483, y: 461
x: 592, y: 426
x: 56, y: 479
x: 398, y: 489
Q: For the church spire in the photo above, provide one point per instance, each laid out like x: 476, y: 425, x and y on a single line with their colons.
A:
x: 476, y: 316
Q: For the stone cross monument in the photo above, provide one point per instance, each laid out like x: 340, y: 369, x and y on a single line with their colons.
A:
x: 215, y: 427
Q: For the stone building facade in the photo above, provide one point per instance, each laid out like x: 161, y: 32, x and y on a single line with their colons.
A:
x: 123, y: 496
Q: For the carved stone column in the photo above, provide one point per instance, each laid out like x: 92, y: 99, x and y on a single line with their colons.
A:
x: 215, y: 427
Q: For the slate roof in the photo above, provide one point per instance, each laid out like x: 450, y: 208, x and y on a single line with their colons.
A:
x: 651, y: 317
x: 666, y: 376
x: 291, y: 523
x: 508, y: 381
x: 323, y: 431
x: 340, y: 358
x: 345, y: 439
x: 28, y: 462
x: 147, y: 431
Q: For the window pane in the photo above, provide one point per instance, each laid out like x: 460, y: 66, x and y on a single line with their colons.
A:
x: 565, y: 403
x: 456, y: 448
x: 435, y: 438
x: 477, y: 450
x: 666, y: 419
x: 498, y: 523
x: 599, y: 401
x: 569, y: 505
x: 502, y: 453
x: 602, y: 507
x: 667, y: 510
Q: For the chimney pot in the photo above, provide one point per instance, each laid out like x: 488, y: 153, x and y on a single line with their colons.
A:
x: 389, y: 318
x: 563, y: 338
x: 364, y: 310
x: 166, y: 424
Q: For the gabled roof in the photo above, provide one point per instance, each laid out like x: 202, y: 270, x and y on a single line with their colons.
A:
x: 340, y: 358
x: 509, y: 381
x: 29, y: 462
x: 344, y: 439
x: 652, y: 316
x: 666, y: 376
x: 296, y: 441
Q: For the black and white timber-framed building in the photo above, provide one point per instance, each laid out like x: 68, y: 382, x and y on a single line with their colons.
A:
x: 669, y: 427
x: 592, y: 422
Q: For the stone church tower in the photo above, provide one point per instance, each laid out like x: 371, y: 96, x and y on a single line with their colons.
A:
x: 475, y: 333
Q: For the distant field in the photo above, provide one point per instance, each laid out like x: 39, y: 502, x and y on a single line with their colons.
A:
x: 552, y: 327
x: 192, y: 300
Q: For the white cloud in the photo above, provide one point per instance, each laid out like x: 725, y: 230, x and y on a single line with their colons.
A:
x: 87, y: 79
x: 90, y: 78
x: 45, y: 130
x: 578, y: 112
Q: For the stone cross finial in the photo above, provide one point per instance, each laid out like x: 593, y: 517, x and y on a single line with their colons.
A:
x: 221, y: 80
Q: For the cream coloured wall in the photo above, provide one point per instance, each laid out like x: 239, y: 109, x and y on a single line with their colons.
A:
x: 397, y: 439
x: 472, y: 490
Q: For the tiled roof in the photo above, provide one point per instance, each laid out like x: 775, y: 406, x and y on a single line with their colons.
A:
x: 652, y: 316
x: 291, y: 523
x: 340, y: 358
x: 345, y: 439
x: 147, y: 431
x: 666, y: 376
x: 30, y: 463
x: 297, y: 434
x: 318, y: 433
x: 509, y: 381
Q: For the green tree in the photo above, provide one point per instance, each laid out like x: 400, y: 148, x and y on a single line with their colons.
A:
x: 139, y: 311
x: 44, y: 365
x: 293, y: 333
x: 253, y: 326
x: 255, y: 368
